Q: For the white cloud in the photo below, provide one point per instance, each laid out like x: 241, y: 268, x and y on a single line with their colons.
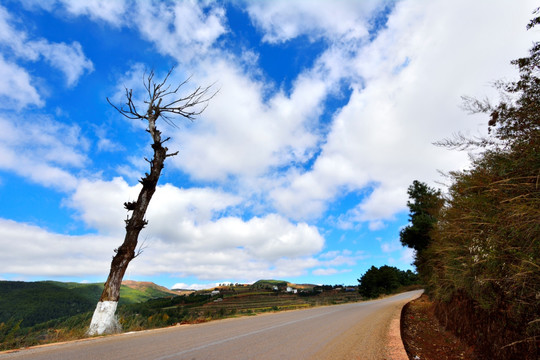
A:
x: 106, y: 144
x: 240, y: 135
x: 215, y: 265
x: 103, y: 212
x: 325, y: 272
x: 183, y: 240
x: 329, y: 254
x: 180, y: 29
x: 337, y: 262
x: 269, y: 238
x: 340, y: 258
x: 283, y: 20
x: 376, y: 225
x: 244, y: 134
x: 42, y: 150
x: 169, y: 206
x: 111, y: 11
x: 186, y: 30
x: 132, y: 168
x: 413, y: 75
x: 407, y: 256
x: 194, y: 286
x: 379, y: 206
x: 398, y: 255
x: 16, y: 89
x: 30, y: 250
x: 14, y: 39
x: 69, y: 59
x: 190, y: 233
x: 391, y: 246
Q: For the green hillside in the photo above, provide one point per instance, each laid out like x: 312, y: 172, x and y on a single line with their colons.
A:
x: 269, y: 284
x: 41, y: 301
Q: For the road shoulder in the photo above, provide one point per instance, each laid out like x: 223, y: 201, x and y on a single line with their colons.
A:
x: 425, y: 338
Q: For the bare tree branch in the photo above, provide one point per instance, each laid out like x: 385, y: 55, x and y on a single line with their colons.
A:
x: 188, y: 106
x: 143, y: 246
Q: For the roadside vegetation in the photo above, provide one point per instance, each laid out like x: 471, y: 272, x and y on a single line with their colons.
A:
x: 478, y: 246
x: 386, y: 280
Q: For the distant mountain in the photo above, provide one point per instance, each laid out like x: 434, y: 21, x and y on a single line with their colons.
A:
x: 41, y: 301
x: 149, y: 287
x: 269, y: 284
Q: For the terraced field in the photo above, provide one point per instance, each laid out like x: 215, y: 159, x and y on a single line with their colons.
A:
x: 248, y: 303
x: 258, y: 302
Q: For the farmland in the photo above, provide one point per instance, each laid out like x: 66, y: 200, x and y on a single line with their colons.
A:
x: 229, y: 301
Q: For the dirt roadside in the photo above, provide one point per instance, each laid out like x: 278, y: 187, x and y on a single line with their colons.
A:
x: 425, y: 339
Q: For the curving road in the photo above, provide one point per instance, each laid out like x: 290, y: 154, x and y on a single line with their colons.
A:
x: 351, y: 331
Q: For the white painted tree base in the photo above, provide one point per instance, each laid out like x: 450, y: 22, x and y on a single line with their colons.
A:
x: 104, y: 320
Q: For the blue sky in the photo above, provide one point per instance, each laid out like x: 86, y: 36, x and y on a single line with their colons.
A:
x: 298, y: 168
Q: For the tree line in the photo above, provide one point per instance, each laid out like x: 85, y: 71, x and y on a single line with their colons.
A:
x: 384, y: 280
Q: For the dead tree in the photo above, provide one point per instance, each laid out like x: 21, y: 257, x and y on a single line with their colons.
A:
x: 165, y: 103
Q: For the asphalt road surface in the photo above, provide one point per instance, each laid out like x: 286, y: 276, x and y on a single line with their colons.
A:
x: 349, y: 331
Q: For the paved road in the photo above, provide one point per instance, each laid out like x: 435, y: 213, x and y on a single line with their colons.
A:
x: 350, y: 331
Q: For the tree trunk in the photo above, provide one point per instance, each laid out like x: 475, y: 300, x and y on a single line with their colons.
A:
x: 104, y: 319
